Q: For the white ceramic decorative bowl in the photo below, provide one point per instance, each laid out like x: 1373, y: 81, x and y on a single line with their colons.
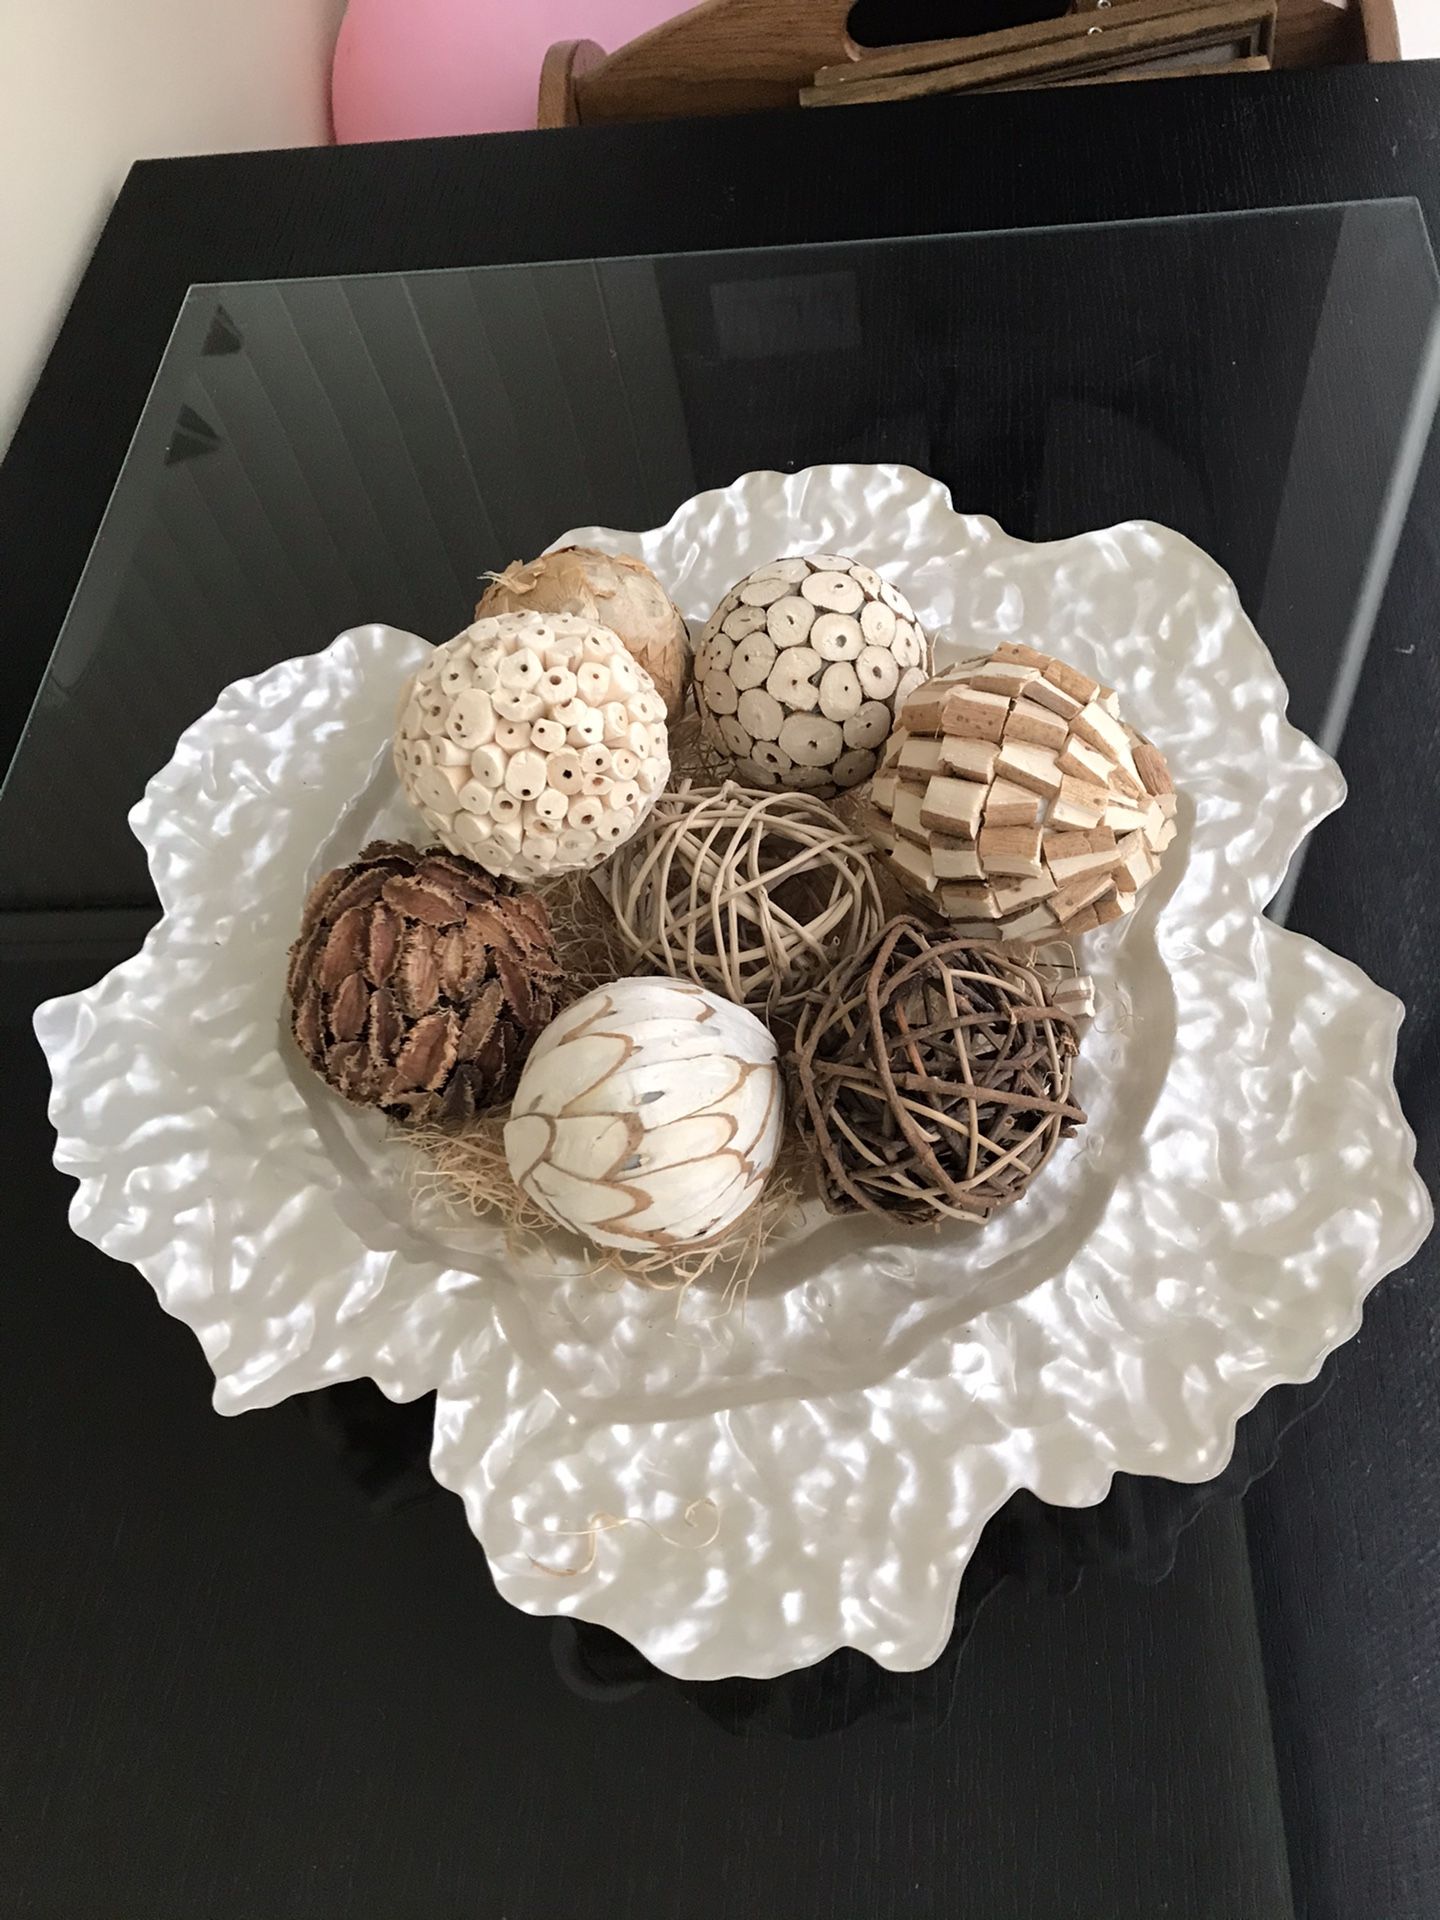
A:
x: 814, y: 1471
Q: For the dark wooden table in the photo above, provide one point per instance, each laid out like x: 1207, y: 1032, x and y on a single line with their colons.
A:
x: 245, y: 1672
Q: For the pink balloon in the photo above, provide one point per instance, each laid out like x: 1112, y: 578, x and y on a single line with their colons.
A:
x: 407, y: 68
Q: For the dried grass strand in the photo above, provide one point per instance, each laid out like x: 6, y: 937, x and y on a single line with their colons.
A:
x: 470, y: 1175
x: 601, y: 1523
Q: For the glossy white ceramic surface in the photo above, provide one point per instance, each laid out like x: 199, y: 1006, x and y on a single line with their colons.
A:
x: 1246, y: 1176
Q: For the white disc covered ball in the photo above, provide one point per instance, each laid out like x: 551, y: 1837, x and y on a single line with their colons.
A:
x: 532, y: 744
x: 802, y: 669
x: 648, y: 1115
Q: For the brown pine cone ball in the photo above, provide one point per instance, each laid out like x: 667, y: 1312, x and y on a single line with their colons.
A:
x: 418, y: 983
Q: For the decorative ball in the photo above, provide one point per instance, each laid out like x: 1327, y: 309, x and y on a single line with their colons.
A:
x: 532, y: 743
x: 648, y: 1116
x: 417, y: 983
x: 1015, y: 799
x: 613, y: 589
x: 932, y: 1078
x: 801, y: 671
x: 754, y: 894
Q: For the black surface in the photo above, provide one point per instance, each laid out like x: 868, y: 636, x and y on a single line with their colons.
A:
x: 239, y: 1692
x: 1345, y: 1534
x: 235, y: 1687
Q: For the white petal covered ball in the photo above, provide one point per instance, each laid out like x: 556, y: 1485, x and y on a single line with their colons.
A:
x: 648, y: 1116
x: 532, y: 744
x: 802, y: 669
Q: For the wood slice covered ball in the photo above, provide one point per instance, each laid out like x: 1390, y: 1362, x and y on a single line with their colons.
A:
x: 932, y: 1078
x: 648, y: 1116
x: 418, y: 982
x: 533, y: 743
x: 615, y: 590
x: 1015, y: 799
x: 756, y: 895
x: 801, y: 670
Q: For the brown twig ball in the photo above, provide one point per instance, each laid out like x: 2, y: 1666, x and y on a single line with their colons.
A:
x: 753, y: 895
x: 932, y: 1077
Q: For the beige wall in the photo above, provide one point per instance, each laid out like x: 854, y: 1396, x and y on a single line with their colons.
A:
x: 87, y: 86
x: 1419, y: 24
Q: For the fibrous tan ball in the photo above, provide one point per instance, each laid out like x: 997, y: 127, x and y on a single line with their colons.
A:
x: 801, y: 669
x: 418, y: 983
x: 1015, y: 799
x: 932, y: 1078
x: 533, y: 744
x: 613, y: 589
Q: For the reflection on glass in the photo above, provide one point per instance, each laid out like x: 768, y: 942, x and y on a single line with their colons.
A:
x: 320, y: 453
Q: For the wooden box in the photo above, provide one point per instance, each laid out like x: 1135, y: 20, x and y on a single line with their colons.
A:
x: 738, y: 56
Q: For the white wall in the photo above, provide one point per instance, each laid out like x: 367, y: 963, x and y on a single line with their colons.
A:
x: 87, y: 86
x: 1419, y: 24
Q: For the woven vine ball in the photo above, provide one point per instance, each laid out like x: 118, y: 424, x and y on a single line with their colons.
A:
x: 614, y: 589
x: 533, y: 743
x: 755, y: 895
x: 417, y: 983
x: 1016, y: 801
x: 800, y: 672
x: 932, y: 1077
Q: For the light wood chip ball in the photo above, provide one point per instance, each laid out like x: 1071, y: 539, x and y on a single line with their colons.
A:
x: 754, y: 895
x: 1015, y: 800
x: 532, y: 743
x: 801, y: 670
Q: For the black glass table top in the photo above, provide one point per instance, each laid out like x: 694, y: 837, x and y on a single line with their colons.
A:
x: 320, y: 453
x: 241, y: 1688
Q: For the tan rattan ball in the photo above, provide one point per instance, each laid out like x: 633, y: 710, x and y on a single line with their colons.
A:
x: 754, y: 895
